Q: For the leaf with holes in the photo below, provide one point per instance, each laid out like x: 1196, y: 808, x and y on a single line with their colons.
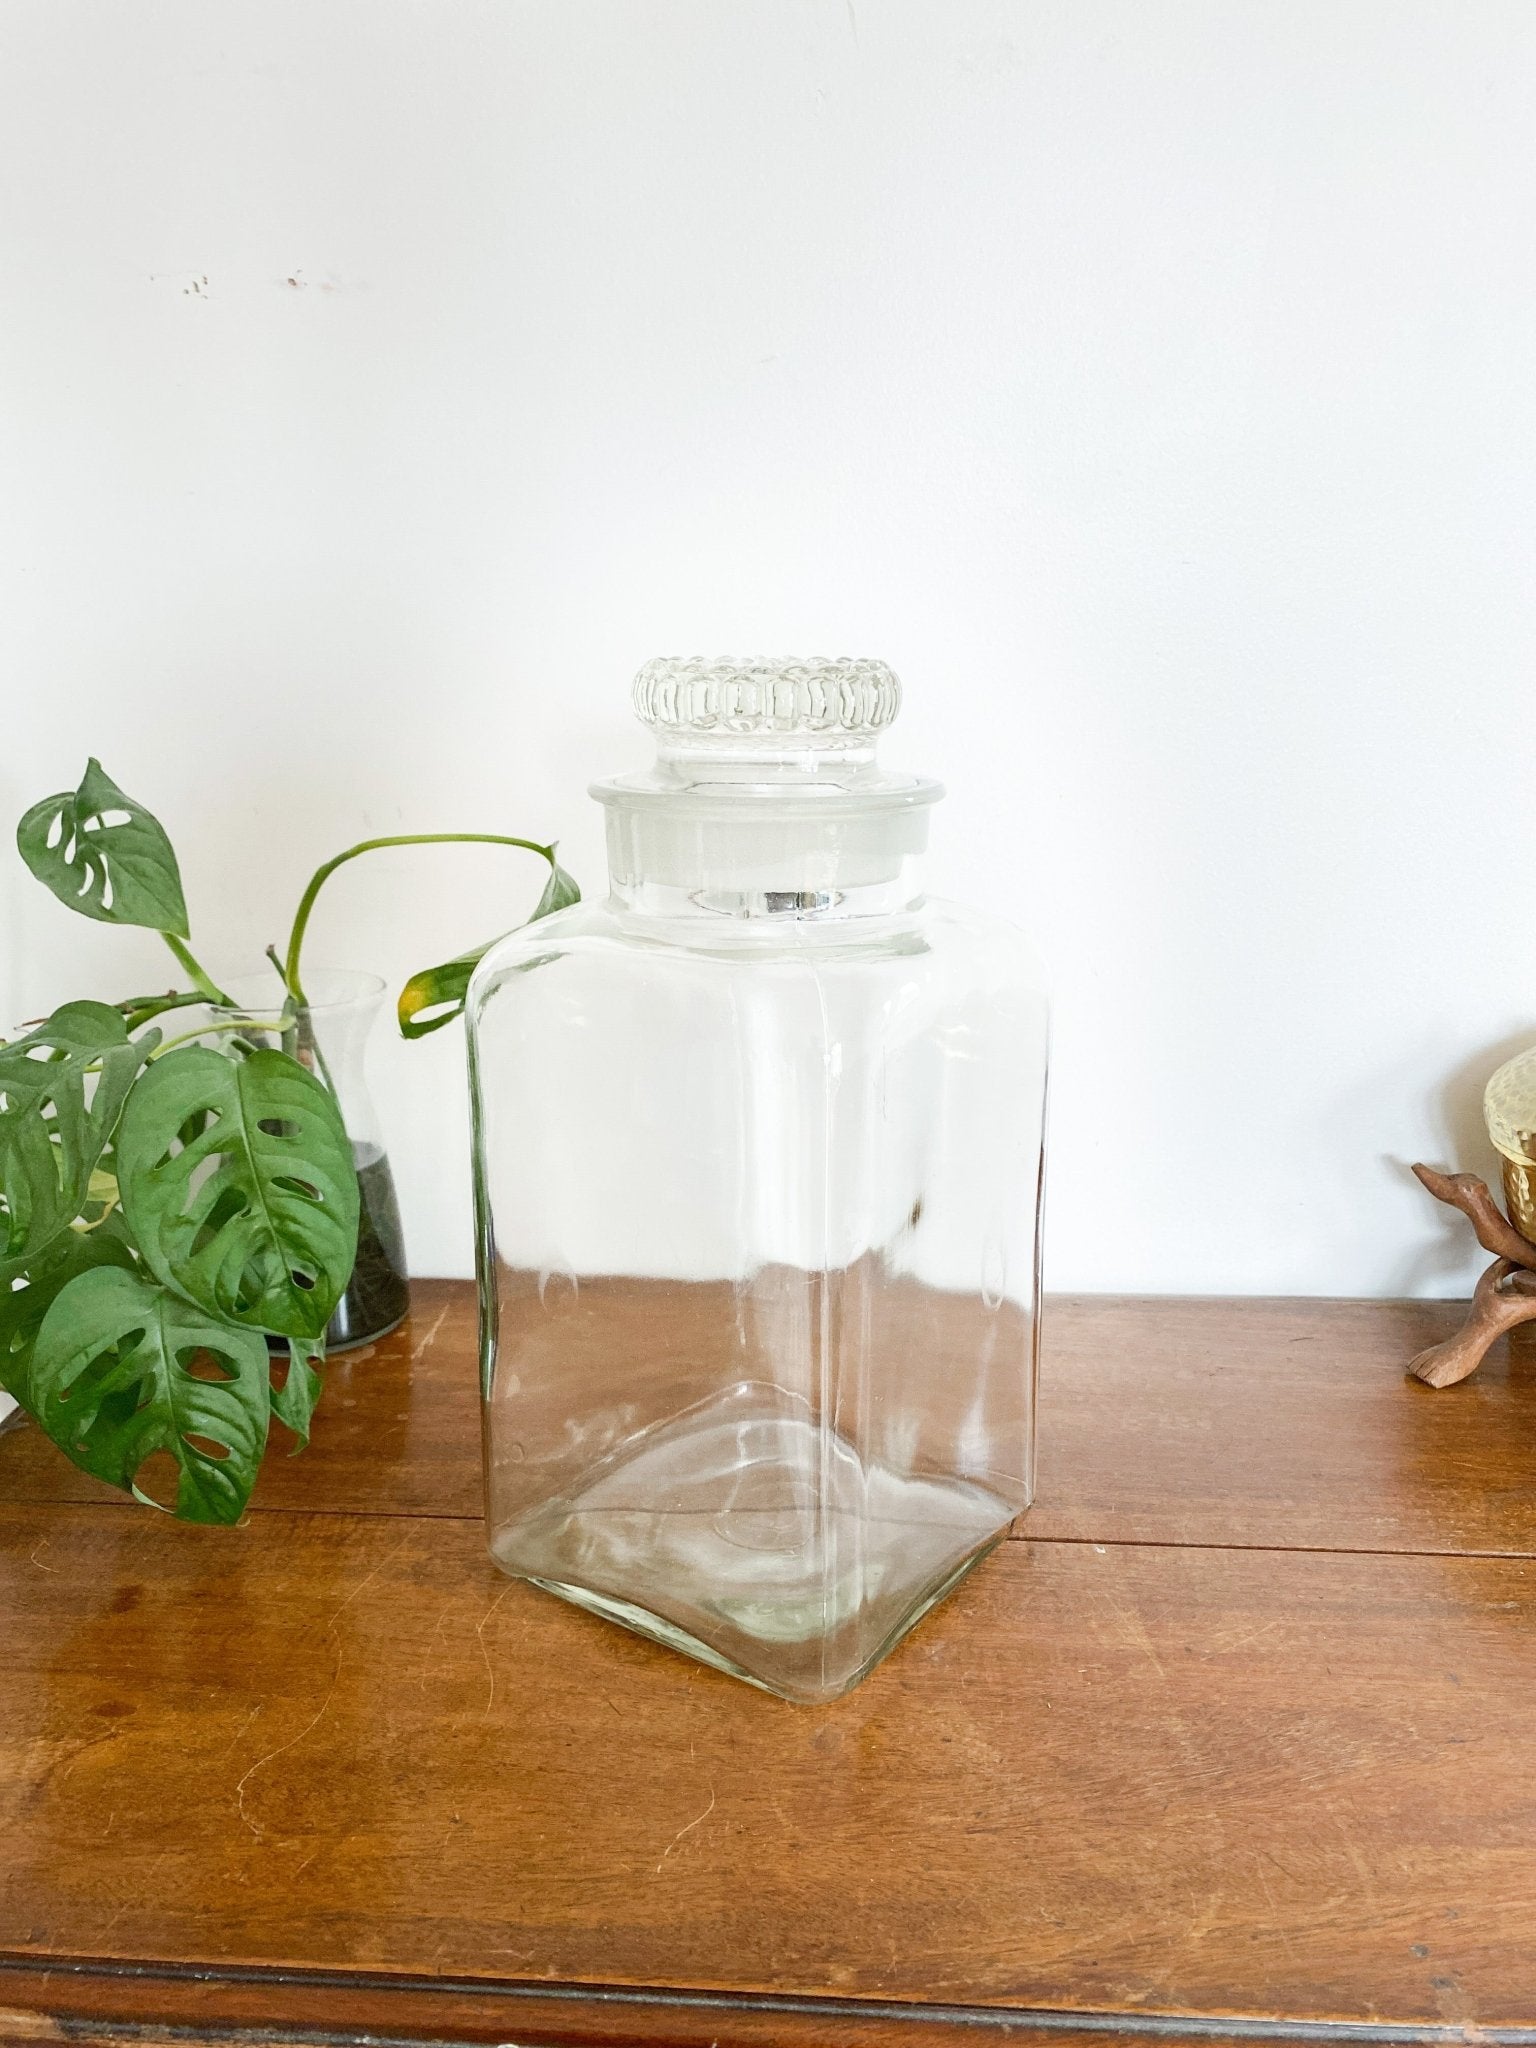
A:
x: 62, y: 1089
x: 23, y: 1308
x: 123, y: 1368
x: 435, y: 996
x: 293, y: 1403
x: 105, y: 855
x: 253, y: 1212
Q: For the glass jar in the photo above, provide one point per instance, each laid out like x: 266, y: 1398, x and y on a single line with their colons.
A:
x: 758, y: 1152
x: 329, y: 1035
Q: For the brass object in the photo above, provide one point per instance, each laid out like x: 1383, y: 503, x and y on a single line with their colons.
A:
x: 1509, y: 1110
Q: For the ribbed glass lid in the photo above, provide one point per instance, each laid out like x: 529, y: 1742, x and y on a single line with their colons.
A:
x: 767, y: 726
x: 818, y: 702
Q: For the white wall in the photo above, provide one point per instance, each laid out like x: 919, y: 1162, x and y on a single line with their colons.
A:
x: 1153, y: 382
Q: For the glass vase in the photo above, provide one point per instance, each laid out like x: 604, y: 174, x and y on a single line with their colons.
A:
x: 329, y: 1035
x: 758, y: 1150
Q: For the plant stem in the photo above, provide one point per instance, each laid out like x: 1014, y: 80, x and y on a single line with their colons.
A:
x: 208, y: 1031
x: 139, y: 1010
x: 317, y: 880
x: 303, y: 1034
x: 208, y: 986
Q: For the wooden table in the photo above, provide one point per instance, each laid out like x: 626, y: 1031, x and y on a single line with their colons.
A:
x: 1243, y: 1728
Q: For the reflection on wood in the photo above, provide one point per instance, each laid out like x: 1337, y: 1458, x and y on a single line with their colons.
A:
x: 902, y: 1372
x: 331, y: 1773
x: 1114, y: 1779
x: 1161, y: 1421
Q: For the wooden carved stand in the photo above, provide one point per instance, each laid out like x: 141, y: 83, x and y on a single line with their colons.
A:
x: 1506, y: 1294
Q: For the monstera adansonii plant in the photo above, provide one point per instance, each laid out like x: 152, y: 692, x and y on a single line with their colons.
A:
x: 165, y: 1206
x: 169, y: 1203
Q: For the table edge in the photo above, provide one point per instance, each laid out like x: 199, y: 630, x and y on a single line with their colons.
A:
x: 83, y: 1999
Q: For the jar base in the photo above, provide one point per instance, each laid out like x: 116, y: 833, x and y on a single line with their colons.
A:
x: 658, y: 1630
x: 745, y: 1537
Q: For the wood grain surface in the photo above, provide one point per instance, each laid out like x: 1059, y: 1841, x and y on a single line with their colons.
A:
x: 1280, y: 1424
x: 1236, y: 1735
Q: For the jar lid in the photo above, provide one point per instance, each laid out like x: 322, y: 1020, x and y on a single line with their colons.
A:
x: 767, y: 728
x: 765, y: 767
x: 815, y: 701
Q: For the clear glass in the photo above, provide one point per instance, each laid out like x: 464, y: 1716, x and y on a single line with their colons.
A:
x: 329, y: 1035
x: 758, y: 1164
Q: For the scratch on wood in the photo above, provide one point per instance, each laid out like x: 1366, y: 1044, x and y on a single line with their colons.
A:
x: 1352, y: 1850
x: 67, y: 1765
x: 1243, y: 1635
x: 434, y: 1664
x: 239, y: 1732
x: 687, y: 1830
x: 1202, y: 1918
x: 1134, y: 1630
x: 43, y: 1545
x: 490, y: 1669
x: 364, y: 1583
x: 419, y: 1350
x: 1276, y: 1917
x: 140, y: 1891
x: 282, y: 1750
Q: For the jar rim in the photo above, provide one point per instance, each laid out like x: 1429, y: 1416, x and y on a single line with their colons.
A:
x: 325, y: 989
x: 741, y: 800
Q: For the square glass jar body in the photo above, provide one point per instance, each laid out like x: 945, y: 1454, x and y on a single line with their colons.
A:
x: 758, y: 1206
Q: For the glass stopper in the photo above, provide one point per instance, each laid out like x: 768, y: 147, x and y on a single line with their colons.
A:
x: 843, y: 702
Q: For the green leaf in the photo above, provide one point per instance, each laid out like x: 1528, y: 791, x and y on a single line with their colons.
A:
x: 238, y: 1183
x: 105, y: 855
x: 22, y: 1308
x: 435, y: 996
x: 293, y: 1403
x: 123, y: 1368
x: 560, y: 892
x: 62, y: 1088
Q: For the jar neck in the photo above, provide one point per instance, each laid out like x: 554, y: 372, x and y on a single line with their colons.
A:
x: 769, y: 907
x: 772, y: 860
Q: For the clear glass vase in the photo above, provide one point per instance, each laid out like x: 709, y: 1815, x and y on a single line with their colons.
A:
x: 329, y: 1035
x: 758, y: 1149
